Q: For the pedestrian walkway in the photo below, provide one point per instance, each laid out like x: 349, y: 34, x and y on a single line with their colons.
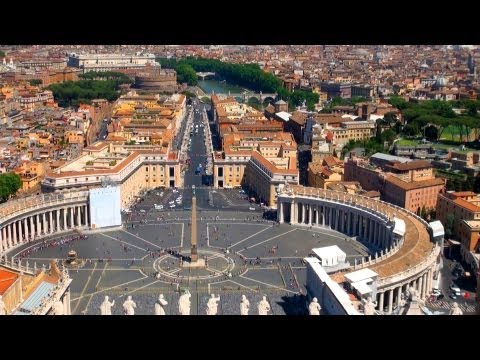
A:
x: 446, y: 305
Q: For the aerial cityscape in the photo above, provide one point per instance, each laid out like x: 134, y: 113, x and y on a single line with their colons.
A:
x: 239, y: 180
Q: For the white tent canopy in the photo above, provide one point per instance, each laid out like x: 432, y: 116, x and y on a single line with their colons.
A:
x: 400, y: 227
x: 330, y: 255
x: 360, y: 275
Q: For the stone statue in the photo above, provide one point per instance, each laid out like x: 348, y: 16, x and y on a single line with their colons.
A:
x: 184, y: 303
x: 413, y: 293
x: 106, y: 307
x: 263, y: 306
x: 159, y: 310
x: 456, y: 310
x: 244, y: 306
x: 369, y: 307
x: 58, y: 308
x: 212, y: 305
x: 3, y: 309
x: 314, y: 307
x: 129, y: 306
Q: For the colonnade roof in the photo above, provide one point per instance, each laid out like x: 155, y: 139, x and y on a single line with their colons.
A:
x: 416, y: 246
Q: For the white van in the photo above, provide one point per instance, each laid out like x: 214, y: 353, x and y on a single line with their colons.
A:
x: 455, y: 290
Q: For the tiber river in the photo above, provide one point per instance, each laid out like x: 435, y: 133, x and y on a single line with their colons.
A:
x: 219, y: 87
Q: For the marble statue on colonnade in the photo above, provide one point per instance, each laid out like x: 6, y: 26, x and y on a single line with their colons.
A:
x: 263, y: 306
x: 184, y: 303
x: 244, y: 306
x: 159, y: 310
x: 314, y: 307
x: 212, y: 305
x: 369, y: 307
x: 106, y: 307
x: 129, y: 306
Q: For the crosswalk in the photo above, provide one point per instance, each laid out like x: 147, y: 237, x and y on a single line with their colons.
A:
x: 445, y: 305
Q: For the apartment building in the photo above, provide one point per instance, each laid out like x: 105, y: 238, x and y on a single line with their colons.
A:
x: 407, y: 183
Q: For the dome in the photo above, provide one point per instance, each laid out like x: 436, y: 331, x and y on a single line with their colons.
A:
x: 441, y: 81
x: 280, y: 102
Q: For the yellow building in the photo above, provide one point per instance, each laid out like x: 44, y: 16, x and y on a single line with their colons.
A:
x: 319, y: 176
x: 229, y: 165
x: 265, y: 178
x: 31, y: 173
x: 133, y: 168
x: 74, y: 137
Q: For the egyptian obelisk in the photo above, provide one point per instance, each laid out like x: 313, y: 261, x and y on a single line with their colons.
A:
x: 194, y: 254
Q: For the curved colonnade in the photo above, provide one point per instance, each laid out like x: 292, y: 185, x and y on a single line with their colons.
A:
x: 405, y: 254
x: 30, y: 219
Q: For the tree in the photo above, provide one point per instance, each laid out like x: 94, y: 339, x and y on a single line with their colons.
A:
x: 189, y: 94
x: 431, y: 133
x: 411, y: 129
x: 449, y: 226
x: 10, y: 183
x: 423, y: 212
x: 2, y: 54
x: 186, y: 74
x: 35, y: 82
x: 390, y: 118
x: 398, y: 102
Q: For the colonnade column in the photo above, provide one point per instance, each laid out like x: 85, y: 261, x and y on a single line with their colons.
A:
x: 9, y: 236
x: 280, y: 215
x: 3, y: 246
x: 25, y: 225
x: 71, y: 218
x: 317, y: 215
x: 310, y: 214
x: 20, y: 235
x: 50, y: 215
x: 399, y: 294
x: 380, y: 301
x: 293, y: 213
x: 420, y: 287
x: 429, y: 281
x: 64, y: 218
x: 57, y: 217
x: 39, y: 228
x: 5, y: 239
x: 390, y: 300
x: 14, y: 233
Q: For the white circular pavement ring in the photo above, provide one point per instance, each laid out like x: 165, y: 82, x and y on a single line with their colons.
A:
x: 218, y: 265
